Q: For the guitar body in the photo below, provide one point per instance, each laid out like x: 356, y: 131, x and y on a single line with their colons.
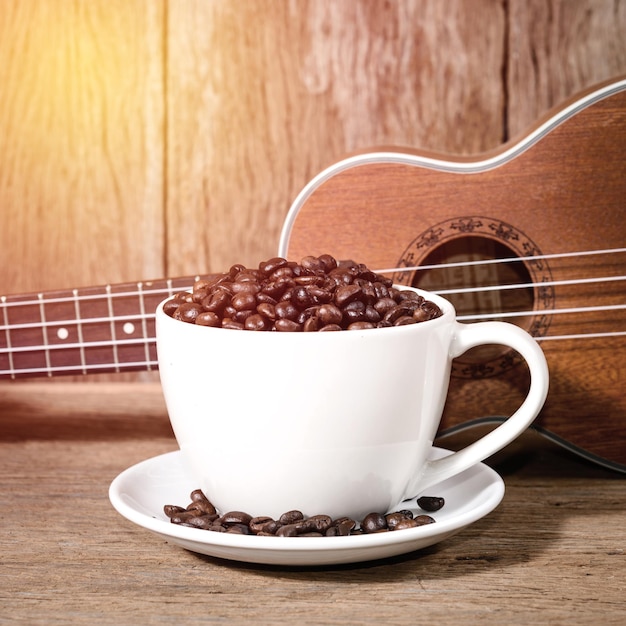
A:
x: 554, y: 205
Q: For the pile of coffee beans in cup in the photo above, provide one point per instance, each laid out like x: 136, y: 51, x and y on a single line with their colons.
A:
x: 317, y: 294
x: 200, y: 513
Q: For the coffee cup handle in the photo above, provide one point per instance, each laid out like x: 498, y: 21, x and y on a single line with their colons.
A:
x: 468, y: 336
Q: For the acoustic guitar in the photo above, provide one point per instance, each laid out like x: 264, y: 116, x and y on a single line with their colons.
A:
x: 533, y: 233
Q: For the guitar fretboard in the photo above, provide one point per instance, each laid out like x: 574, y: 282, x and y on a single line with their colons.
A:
x: 82, y: 331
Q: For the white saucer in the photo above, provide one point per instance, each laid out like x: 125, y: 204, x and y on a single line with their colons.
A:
x: 140, y: 492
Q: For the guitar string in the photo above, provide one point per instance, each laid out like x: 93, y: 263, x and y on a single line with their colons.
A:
x: 462, y: 290
x: 143, y: 364
x: 139, y: 292
x: 143, y: 317
x: 151, y: 316
x: 150, y: 341
x: 512, y: 286
x: 515, y: 259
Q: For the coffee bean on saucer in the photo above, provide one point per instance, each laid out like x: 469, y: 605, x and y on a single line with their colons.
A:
x: 430, y: 503
x: 201, y: 514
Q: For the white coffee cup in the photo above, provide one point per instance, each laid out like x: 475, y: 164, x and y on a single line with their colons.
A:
x: 336, y: 423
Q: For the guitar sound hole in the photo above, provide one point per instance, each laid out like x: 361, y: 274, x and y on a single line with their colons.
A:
x: 483, y: 300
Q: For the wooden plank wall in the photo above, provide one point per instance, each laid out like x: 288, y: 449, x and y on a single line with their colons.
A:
x: 141, y: 139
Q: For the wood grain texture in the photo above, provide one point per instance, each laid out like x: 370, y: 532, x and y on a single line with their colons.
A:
x: 256, y: 99
x: 262, y: 95
x: 81, y: 143
x: 556, y: 49
x: 551, y: 553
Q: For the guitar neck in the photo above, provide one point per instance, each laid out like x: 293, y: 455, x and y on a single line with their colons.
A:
x: 109, y: 328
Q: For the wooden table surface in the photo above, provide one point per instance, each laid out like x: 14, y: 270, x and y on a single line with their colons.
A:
x: 552, y: 552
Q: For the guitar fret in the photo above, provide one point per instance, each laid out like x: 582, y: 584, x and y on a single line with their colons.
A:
x: 144, y: 325
x: 7, y: 335
x: 79, y: 330
x: 44, y: 333
x: 112, y: 327
x: 29, y: 314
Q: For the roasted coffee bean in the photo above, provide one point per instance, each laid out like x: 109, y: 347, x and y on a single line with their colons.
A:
x: 263, y: 524
x: 361, y: 326
x: 238, y: 529
x: 235, y: 269
x: 204, y: 506
x: 371, y: 314
x: 185, y: 516
x: 264, y: 298
x: 374, y: 522
x: 289, y: 326
x: 424, y: 519
x: 346, y: 294
x: 430, y: 503
x: 354, y: 311
x: 380, y: 289
x: 170, y: 307
x: 311, y: 325
x: 341, y: 527
x: 268, y: 267
x: 290, y: 517
x: 301, y: 298
x: 288, y: 530
x: 208, y: 318
x: 407, y: 522
x: 217, y: 528
x: 202, y: 521
x: 431, y: 308
x: 328, y: 262
x: 267, y: 310
x: 227, y: 322
x: 188, y: 312
x: 235, y: 517
x: 329, y: 314
x: 243, y: 301
x: 404, y: 320
x: 393, y: 519
x: 330, y: 327
x: 396, y: 312
x: 320, y: 523
x: 216, y: 302
x: 283, y: 274
x: 197, y: 495
x: 242, y: 316
x: 312, y: 264
x: 172, y: 509
x: 285, y: 309
x: 308, y: 281
x: 320, y: 295
x: 256, y: 322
